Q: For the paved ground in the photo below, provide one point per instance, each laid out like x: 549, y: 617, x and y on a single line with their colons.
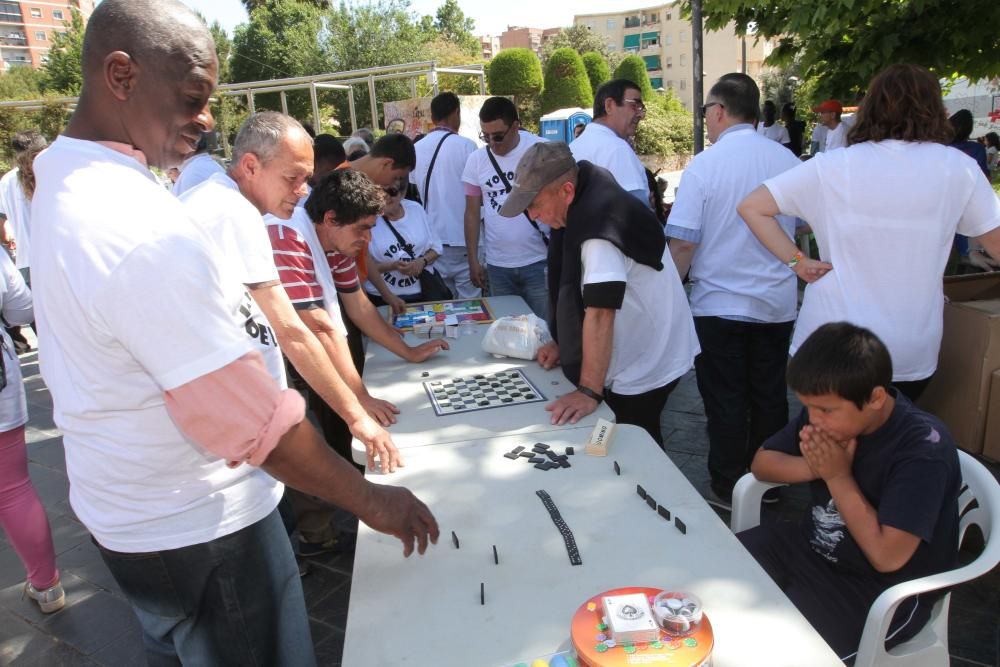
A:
x: 97, y: 626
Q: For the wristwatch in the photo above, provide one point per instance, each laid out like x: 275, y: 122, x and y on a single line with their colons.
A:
x: 590, y: 393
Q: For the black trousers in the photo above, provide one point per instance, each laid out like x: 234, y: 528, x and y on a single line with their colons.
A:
x: 912, y: 389
x: 741, y: 377
x: 642, y: 409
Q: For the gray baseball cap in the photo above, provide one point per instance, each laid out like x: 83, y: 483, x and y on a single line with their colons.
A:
x: 540, y: 165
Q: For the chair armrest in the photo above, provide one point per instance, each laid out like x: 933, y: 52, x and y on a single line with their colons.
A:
x: 747, y: 496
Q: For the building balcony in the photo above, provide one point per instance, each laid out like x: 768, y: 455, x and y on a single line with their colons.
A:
x: 14, y: 41
x: 633, y: 22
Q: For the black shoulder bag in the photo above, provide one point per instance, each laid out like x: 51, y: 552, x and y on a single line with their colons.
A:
x: 506, y: 184
x: 430, y: 168
x: 432, y: 285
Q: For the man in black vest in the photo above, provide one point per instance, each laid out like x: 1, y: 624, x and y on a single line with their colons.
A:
x: 621, y: 323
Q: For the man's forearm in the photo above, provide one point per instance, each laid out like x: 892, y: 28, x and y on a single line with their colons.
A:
x: 340, y: 354
x: 363, y: 313
x: 681, y: 252
x: 862, y: 521
x: 598, y: 335
x: 779, y: 467
x: 471, y: 229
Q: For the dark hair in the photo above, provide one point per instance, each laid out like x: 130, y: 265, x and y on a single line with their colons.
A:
x: 769, y: 111
x: 310, y: 130
x: 992, y: 139
x: 498, y: 108
x: 739, y: 94
x: 27, y: 145
x: 615, y: 90
x: 444, y: 105
x: 788, y: 111
x: 843, y: 359
x: 328, y: 148
x: 961, y: 122
x: 350, y: 194
x: 399, y: 148
x: 903, y: 102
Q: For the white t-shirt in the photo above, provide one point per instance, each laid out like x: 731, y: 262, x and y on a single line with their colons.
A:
x: 194, y: 171
x: 654, y: 338
x: 415, y: 229
x: 510, y: 242
x: 15, y: 306
x: 601, y: 146
x: 819, y: 137
x: 837, y: 137
x: 885, y: 214
x: 446, y: 206
x: 776, y: 132
x: 732, y: 273
x: 130, y: 302
x: 15, y: 205
x: 218, y: 207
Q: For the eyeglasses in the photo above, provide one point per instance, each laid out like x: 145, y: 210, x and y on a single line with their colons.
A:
x: 391, y: 192
x: 639, y: 105
x: 495, y: 137
x: 706, y: 107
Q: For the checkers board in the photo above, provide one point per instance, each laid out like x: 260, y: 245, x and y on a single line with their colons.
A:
x: 481, y: 392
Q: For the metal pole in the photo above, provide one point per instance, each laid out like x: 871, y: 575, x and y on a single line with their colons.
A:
x: 250, y: 105
x: 433, y: 76
x: 315, y: 106
x: 350, y: 106
x: 699, y: 76
x: 743, y: 44
x: 413, y: 87
x: 371, y: 100
x: 284, y: 103
x: 482, y: 83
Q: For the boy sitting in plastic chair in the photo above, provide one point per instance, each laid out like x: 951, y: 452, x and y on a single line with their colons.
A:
x: 884, y: 478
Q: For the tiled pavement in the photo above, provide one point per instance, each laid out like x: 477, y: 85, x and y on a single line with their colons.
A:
x: 97, y: 626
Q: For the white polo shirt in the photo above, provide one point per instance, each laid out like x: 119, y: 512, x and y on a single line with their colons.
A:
x: 732, y: 274
x: 837, y: 137
x: 885, y: 215
x: 776, y: 132
x: 654, y: 338
x: 601, y: 146
x: 130, y: 302
x: 15, y: 205
x: 446, y: 206
x: 194, y: 171
x: 510, y: 242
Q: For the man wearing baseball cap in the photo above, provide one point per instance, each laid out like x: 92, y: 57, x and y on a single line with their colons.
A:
x: 621, y: 323
x: 829, y: 116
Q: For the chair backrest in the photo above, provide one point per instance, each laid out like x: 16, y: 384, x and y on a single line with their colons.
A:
x: 980, y: 485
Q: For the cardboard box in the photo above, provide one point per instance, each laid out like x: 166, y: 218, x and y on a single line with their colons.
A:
x: 991, y: 440
x: 970, y: 353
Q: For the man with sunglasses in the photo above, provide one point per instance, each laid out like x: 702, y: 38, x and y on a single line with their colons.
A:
x: 516, y: 249
x: 618, y: 109
x: 742, y: 298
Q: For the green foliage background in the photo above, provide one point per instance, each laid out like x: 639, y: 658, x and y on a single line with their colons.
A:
x: 566, y: 82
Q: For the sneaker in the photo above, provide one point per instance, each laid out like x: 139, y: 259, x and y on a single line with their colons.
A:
x: 50, y: 600
x: 772, y: 496
x: 719, y: 497
x: 340, y: 543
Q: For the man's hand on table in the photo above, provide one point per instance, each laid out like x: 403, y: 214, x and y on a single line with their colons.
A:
x: 548, y: 356
x: 397, y: 512
x: 571, y: 408
x: 378, y: 443
x: 381, y: 411
x: 425, y: 351
x: 397, y: 305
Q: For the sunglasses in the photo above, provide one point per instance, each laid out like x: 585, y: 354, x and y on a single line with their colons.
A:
x: 496, y: 137
x: 637, y: 103
x: 706, y: 107
x: 391, y: 192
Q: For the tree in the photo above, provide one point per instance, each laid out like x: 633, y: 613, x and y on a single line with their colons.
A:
x: 448, y: 54
x: 843, y: 44
x: 597, y: 69
x: 223, y: 49
x: 666, y: 129
x: 254, y: 4
x: 21, y: 83
x: 63, y: 71
x: 566, y: 82
x: 634, y: 69
x: 452, y: 24
x: 580, y: 39
x: 515, y: 72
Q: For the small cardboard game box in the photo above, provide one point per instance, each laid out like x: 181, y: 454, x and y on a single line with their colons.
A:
x: 630, y: 619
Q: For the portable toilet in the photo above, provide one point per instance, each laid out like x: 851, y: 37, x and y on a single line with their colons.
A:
x: 558, y: 125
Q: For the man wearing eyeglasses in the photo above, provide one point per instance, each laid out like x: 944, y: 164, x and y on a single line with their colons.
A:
x: 618, y: 109
x: 742, y: 298
x: 516, y: 248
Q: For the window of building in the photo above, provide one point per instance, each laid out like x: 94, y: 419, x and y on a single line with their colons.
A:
x: 668, y: 16
x: 670, y: 62
x: 57, y: 14
x: 684, y: 84
x: 631, y: 43
x: 612, y: 48
x: 612, y: 24
x: 10, y: 12
x: 36, y: 13
x: 656, y: 83
x: 683, y: 59
x: 652, y: 63
x: 632, y: 22
x: 684, y: 35
x: 650, y: 39
x: 670, y: 83
x: 40, y: 36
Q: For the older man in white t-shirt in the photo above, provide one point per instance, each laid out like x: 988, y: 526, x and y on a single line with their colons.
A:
x: 618, y: 109
x: 441, y: 158
x: 742, y: 298
x: 175, y: 434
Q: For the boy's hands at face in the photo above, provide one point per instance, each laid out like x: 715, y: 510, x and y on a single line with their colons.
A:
x: 828, y: 458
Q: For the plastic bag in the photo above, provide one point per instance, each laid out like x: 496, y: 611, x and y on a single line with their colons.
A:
x: 518, y: 337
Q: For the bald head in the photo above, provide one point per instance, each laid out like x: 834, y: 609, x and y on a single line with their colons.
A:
x: 160, y: 35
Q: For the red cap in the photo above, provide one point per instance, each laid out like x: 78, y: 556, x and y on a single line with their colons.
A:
x: 829, y: 105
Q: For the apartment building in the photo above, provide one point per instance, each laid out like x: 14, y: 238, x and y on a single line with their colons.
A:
x: 662, y: 38
x: 490, y: 46
x: 526, y: 38
x: 27, y: 29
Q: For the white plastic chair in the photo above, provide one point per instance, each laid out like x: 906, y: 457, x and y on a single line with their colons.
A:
x: 929, y: 648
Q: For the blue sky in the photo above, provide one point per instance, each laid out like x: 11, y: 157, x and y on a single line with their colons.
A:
x: 490, y: 17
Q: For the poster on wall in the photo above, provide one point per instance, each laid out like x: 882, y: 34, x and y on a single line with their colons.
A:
x: 413, y: 116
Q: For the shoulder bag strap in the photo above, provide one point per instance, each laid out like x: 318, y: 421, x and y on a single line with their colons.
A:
x: 506, y: 184
x: 430, y: 168
x: 408, y: 247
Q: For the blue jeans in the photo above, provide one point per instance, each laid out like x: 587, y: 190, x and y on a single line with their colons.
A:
x: 527, y: 282
x: 236, y: 600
